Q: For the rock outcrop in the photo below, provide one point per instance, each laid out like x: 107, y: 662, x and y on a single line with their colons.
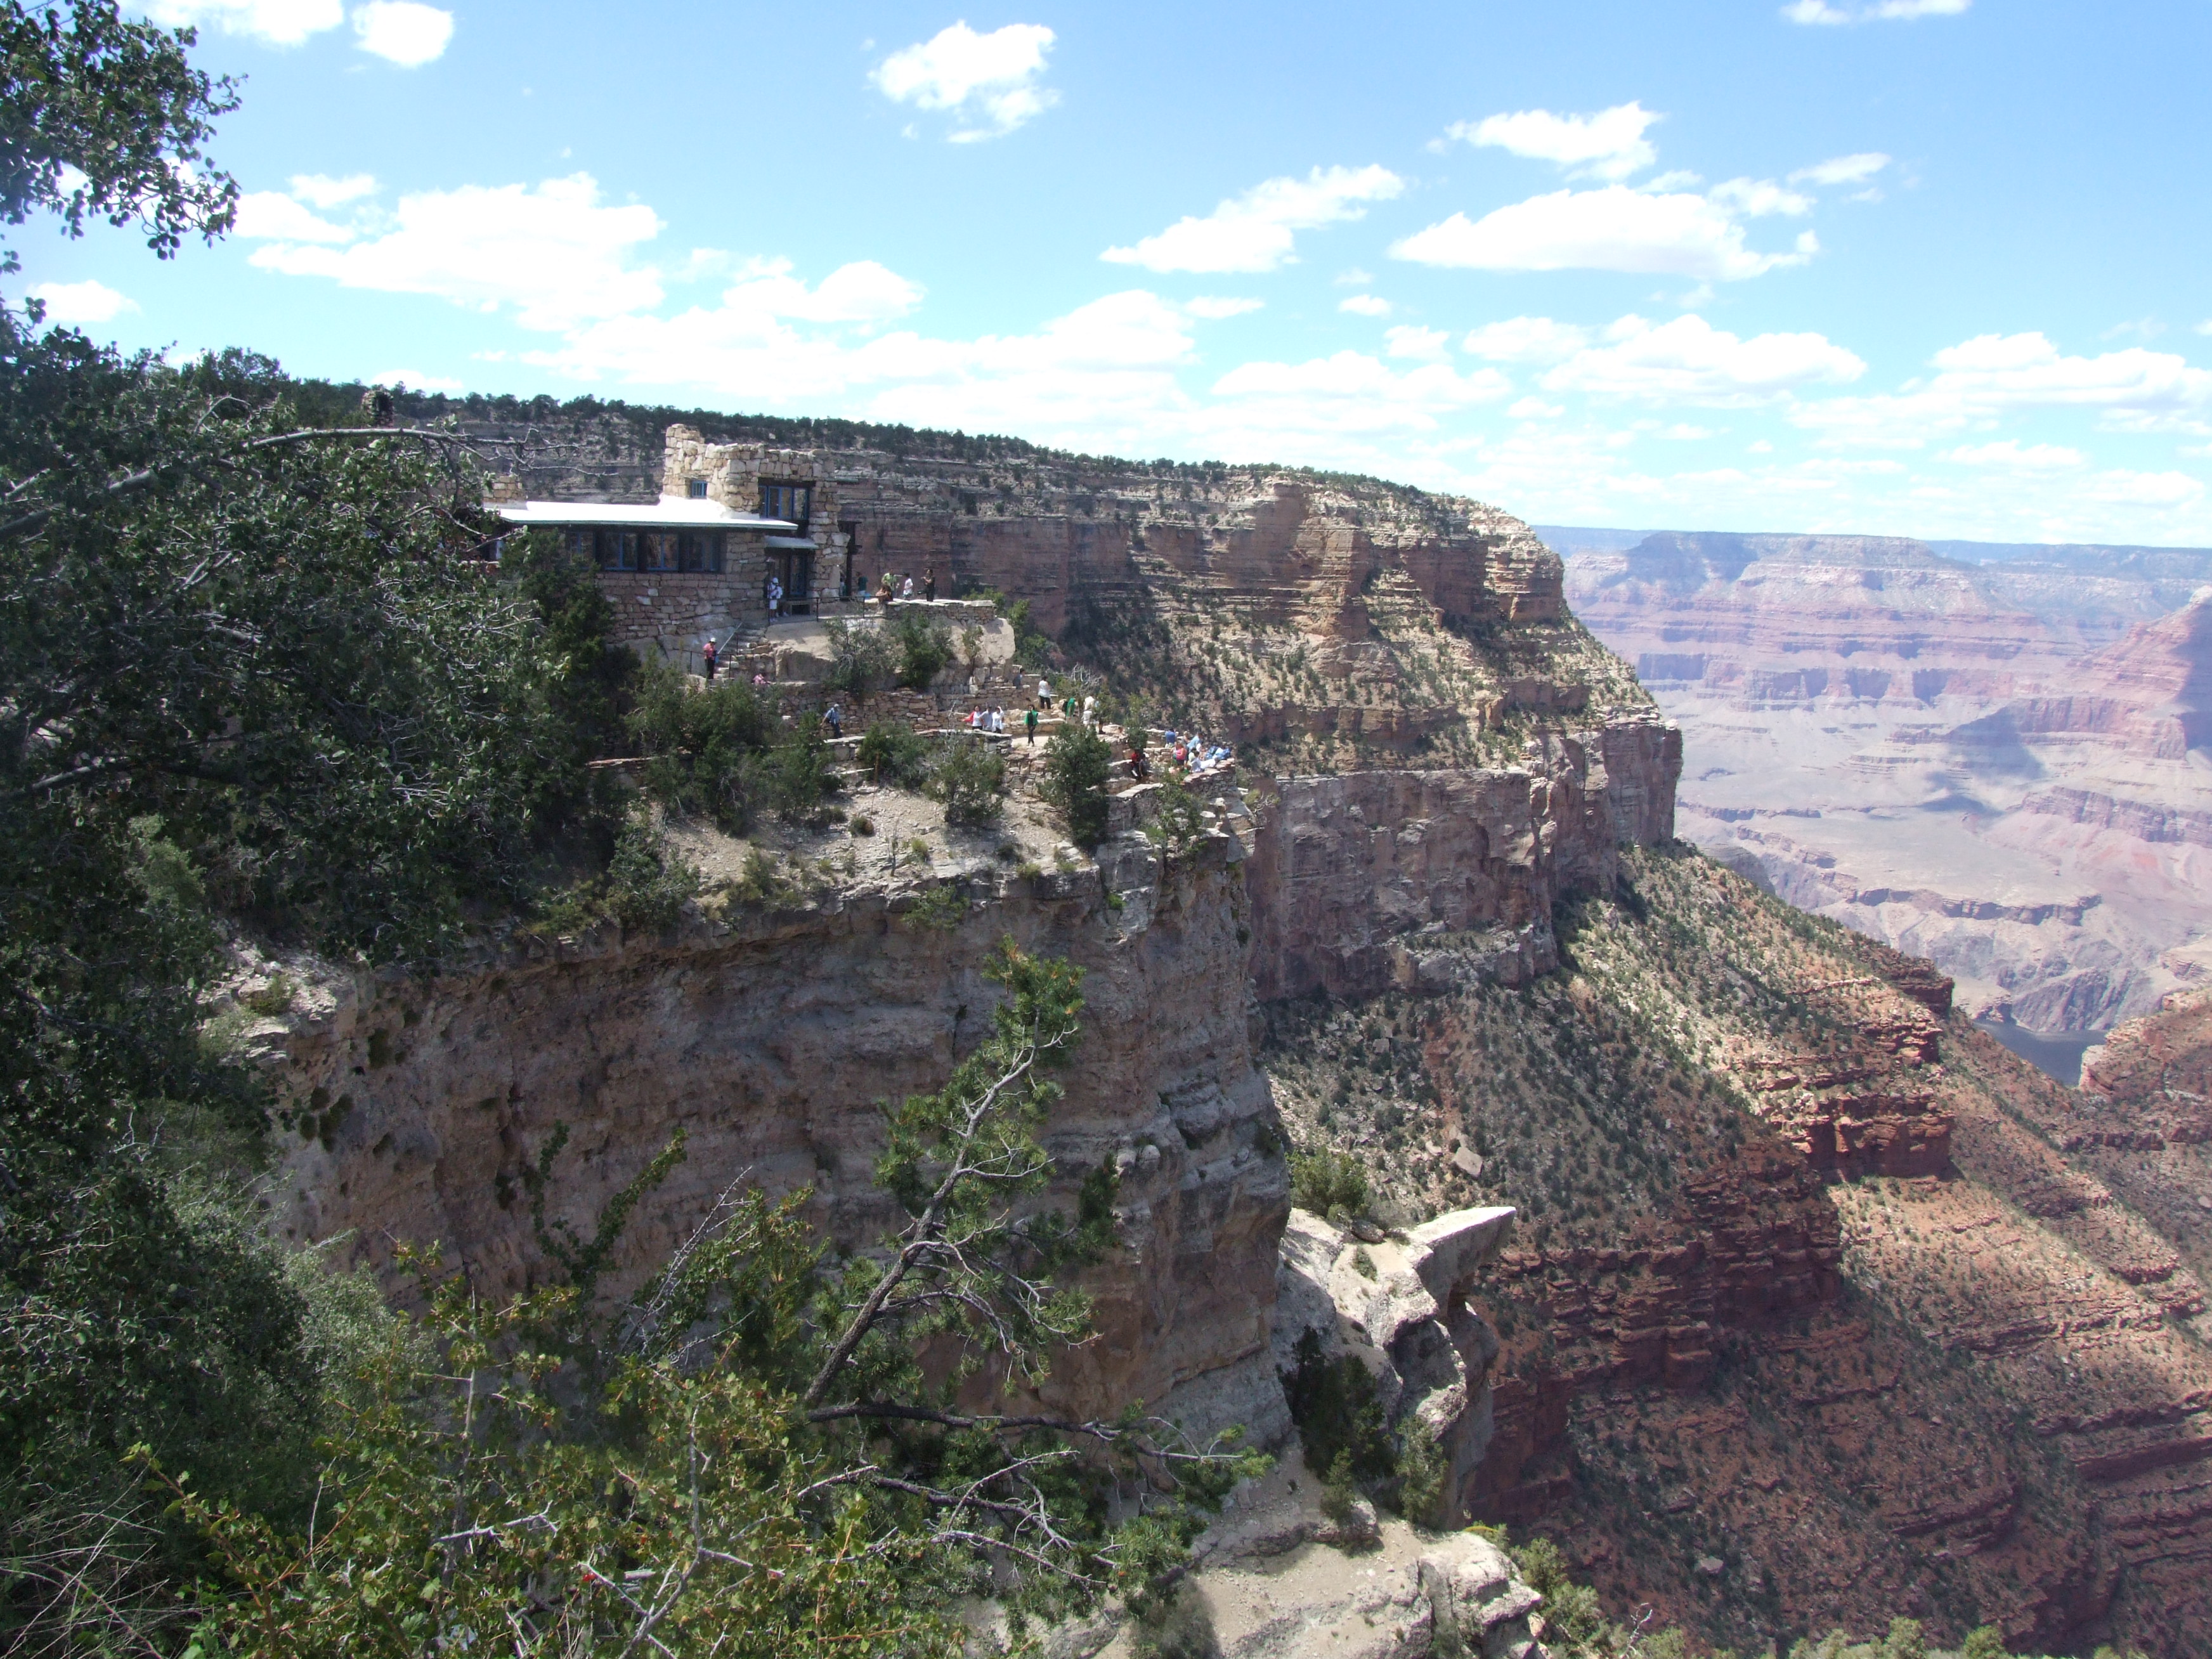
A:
x: 1400, y: 1305
x: 768, y: 1037
x: 1999, y: 766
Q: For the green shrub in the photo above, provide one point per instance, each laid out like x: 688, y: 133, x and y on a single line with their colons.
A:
x: 942, y: 907
x: 647, y: 883
x: 702, y: 748
x: 889, y: 752
x: 1339, y: 1492
x: 1333, y: 1403
x: 861, y: 658
x: 1179, y: 826
x: 1077, y: 764
x: 924, y: 648
x: 971, y: 781
x: 1333, y: 1185
x: 797, y: 775
x: 1423, y: 1471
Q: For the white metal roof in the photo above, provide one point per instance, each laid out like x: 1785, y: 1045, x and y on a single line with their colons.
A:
x: 669, y: 512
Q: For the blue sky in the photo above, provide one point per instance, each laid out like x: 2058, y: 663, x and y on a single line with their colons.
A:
x: 1924, y: 267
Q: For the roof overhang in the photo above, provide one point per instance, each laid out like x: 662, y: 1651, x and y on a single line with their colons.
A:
x: 669, y: 512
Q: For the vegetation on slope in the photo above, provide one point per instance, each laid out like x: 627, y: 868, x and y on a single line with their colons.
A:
x: 1908, y: 1416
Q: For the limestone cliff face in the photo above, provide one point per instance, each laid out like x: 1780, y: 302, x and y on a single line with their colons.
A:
x: 768, y: 1038
x: 1417, y: 880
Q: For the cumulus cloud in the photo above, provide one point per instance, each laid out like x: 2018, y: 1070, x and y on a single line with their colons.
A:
x: 1615, y: 229
x: 1526, y: 340
x: 1429, y: 345
x: 987, y: 82
x: 2011, y: 454
x: 321, y: 190
x: 1364, y: 305
x: 402, y: 32
x: 270, y: 215
x: 1842, y: 169
x: 555, y: 253
x: 1823, y: 12
x: 1609, y: 144
x: 1214, y: 306
x: 1756, y: 198
x: 275, y: 22
x: 1689, y: 361
x: 1991, y: 375
x: 88, y: 301
x: 1256, y: 231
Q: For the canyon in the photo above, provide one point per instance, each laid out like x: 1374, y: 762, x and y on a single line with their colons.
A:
x: 2000, y: 766
x: 1816, y: 1306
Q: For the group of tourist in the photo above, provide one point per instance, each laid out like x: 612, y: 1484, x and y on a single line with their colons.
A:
x: 1195, y: 758
x: 889, y: 587
x: 993, y: 720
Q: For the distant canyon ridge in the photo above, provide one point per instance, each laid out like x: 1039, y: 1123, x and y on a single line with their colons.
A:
x: 1996, y: 757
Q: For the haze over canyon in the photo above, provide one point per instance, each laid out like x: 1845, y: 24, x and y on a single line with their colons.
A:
x: 1995, y: 756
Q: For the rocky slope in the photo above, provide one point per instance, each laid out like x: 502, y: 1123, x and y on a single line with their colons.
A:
x: 1817, y: 1312
x: 1999, y: 766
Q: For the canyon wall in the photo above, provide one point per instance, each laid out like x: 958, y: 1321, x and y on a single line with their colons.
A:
x: 2001, y: 766
x: 768, y: 1037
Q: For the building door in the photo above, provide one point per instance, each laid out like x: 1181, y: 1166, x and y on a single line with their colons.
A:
x: 796, y: 570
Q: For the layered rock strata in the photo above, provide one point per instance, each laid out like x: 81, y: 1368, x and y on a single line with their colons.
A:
x: 768, y: 1038
x: 2001, y: 766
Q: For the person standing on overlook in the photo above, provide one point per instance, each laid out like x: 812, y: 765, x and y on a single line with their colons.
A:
x: 1028, y: 724
x: 708, y: 653
x: 929, y: 583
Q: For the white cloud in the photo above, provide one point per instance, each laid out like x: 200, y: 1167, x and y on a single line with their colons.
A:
x: 277, y: 22
x: 1527, y: 340
x: 1213, y: 307
x: 88, y: 301
x: 414, y: 380
x: 1428, y: 345
x: 1755, y: 198
x: 2013, y: 455
x: 988, y: 82
x: 1352, y: 392
x: 1615, y: 228
x: 1254, y: 232
x: 1610, y: 145
x: 1689, y: 361
x: 1357, y: 277
x: 402, y: 32
x: 1820, y: 11
x: 320, y: 190
x: 2145, y: 488
x: 1364, y: 305
x: 1535, y: 408
x: 555, y: 253
x: 1842, y: 169
x: 2205, y: 327
x: 267, y: 215
x: 1990, y: 375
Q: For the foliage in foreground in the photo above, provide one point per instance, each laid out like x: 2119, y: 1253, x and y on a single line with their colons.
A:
x: 749, y: 1457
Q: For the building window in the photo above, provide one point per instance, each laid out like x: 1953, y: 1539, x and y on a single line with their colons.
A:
x: 696, y: 488
x: 657, y: 550
x: 788, y: 502
x: 616, y: 550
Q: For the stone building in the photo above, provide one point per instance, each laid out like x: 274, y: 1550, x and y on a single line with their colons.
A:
x: 698, y: 563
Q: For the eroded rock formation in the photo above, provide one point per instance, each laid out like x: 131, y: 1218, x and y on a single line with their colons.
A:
x: 1999, y: 766
x: 768, y: 1038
